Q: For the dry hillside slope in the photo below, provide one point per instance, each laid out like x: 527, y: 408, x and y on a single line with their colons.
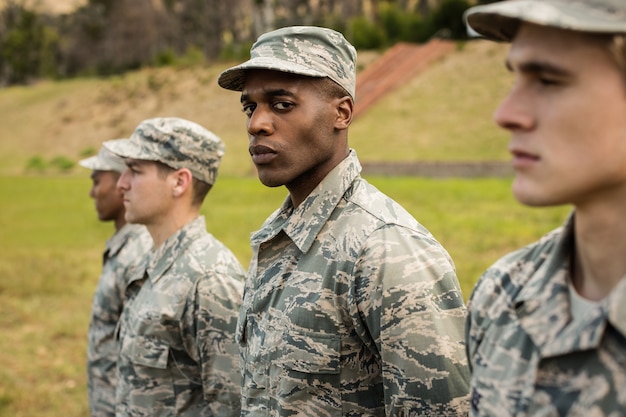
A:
x: 444, y: 113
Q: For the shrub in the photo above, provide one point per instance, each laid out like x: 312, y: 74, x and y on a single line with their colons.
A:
x: 235, y: 51
x: 36, y: 164
x: 332, y: 21
x: 365, y: 34
x: 20, y: 44
x: 165, y: 58
x: 193, y: 56
x: 420, y: 30
x: 62, y: 163
x: 449, y: 17
x: 395, y: 22
x: 87, y: 152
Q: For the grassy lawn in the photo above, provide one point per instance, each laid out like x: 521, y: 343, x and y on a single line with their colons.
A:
x: 51, y: 247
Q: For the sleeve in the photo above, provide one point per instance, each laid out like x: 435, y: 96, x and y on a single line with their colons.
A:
x: 101, y: 349
x: 218, y: 298
x: 108, y: 301
x: 475, y: 321
x: 412, y: 305
x: 493, y: 294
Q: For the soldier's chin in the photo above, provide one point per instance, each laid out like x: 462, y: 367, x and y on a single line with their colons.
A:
x: 532, y: 198
x: 269, y: 180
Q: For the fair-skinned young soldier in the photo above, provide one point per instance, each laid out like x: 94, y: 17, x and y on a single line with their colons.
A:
x: 546, y: 334
x: 177, y: 351
x: 351, y: 307
x: 123, y: 250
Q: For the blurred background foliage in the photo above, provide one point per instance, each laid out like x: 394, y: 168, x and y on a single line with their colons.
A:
x: 106, y: 37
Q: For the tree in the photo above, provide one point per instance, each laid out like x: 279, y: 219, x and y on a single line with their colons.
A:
x: 262, y: 17
x: 27, y: 47
x: 449, y: 17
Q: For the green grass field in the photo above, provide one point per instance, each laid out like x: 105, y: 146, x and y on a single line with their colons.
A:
x: 51, y: 249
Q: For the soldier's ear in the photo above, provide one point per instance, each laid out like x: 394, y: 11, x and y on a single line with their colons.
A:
x: 182, y: 181
x: 344, y: 107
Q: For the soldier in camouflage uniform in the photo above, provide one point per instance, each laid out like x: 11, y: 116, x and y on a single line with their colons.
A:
x: 546, y: 334
x: 351, y: 307
x: 177, y: 351
x: 129, y: 243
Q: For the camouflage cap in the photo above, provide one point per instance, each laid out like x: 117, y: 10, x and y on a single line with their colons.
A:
x: 305, y: 50
x: 178, y: 143
x: 499, y: 21
x: 105, y: 160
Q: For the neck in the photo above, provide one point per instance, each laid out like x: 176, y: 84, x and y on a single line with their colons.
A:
x: 300, y: 188
x: 119, y: 223
x: 599, y: 254
x: 161, y: 231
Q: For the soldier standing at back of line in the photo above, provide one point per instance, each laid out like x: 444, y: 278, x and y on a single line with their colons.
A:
x: 351, y: 307
x: 123, y: 250
x: 546, y: 334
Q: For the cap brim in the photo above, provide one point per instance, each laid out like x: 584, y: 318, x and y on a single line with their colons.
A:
x: 125, y: 148
x: 91, y: 163
x: 500, y: 21
x: 234, y: 78
x: 96, y: 163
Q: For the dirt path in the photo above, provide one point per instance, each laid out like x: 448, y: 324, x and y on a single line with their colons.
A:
x: 396, y: 67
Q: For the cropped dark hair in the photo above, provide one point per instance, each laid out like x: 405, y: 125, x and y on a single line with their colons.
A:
x: 331, y: 89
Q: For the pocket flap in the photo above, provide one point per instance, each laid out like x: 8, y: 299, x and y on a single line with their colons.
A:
x: 312, y: 353
x: 151, y: 352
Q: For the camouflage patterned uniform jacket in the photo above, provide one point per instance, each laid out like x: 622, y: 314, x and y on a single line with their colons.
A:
x: 528, y: 357
x: 351, y: 308
x: 177, y: 350
x: 123, y: 250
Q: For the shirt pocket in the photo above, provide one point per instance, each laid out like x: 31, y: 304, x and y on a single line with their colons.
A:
x: 150, y: 378
x: 150, y: 352
x: 307, y: 352
x: 305, y: 373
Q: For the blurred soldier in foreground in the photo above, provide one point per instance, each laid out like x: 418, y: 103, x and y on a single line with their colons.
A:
x: 546, y: 334
x: 351, y: 307
x: 177, y: 351
x: 124, y: 249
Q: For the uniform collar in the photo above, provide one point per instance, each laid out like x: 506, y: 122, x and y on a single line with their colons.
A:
x: 119, y: 239
x: 617, y: 307
x: 303, y: 223
x: 162, y: 258
x: 543, y: 305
